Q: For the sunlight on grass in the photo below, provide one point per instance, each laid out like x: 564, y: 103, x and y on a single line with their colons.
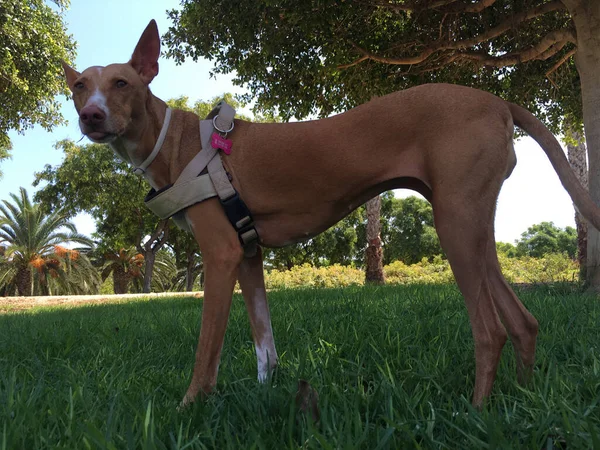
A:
x: 393, y: 366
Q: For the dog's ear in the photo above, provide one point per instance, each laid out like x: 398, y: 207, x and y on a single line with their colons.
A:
x: 70, y: 74
x: 145, y: 56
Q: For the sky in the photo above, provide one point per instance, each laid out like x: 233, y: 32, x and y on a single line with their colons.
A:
x: 106, y: 32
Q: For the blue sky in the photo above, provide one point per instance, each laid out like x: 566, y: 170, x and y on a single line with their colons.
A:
x: 107, y: 32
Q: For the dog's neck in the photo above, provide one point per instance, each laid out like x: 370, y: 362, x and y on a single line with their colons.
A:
x: 135, y: 145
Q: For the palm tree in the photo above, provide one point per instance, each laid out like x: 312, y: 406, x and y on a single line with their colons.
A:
x: 33, y: 261
x: 167, y: 276
x: 125, y: 266
x: 74, y: 273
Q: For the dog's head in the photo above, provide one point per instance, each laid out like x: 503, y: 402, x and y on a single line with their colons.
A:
x: 110, y: 99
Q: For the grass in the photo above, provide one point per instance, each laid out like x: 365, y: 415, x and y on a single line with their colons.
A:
x: 393, y: 366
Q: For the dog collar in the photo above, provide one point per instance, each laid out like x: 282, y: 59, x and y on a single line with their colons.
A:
x: 141, y: 169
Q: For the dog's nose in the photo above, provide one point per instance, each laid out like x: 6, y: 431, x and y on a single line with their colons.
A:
x: 92, y: 115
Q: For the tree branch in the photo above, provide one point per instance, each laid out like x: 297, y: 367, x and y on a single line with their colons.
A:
x: 472, y: 7
x: 154, y: 240
x: 449, y: 6
x: 439, y: 45
x: 560, y: 62
x: 508, y: 24
x: 549, y: 46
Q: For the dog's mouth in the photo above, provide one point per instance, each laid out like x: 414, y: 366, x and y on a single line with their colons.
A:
x: 102, y: 133
x: 100, y: 137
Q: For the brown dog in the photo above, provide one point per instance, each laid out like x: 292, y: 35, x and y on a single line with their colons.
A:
x: 450, y: 143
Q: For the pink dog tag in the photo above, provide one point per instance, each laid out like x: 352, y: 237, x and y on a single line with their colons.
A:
x: 220, y: 142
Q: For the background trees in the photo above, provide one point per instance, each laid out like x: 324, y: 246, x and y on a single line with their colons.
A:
x: 33, y: 40
x: 92, y: 179
x: 410, y: 235
x: 545, y: 238
x: 34, y: 258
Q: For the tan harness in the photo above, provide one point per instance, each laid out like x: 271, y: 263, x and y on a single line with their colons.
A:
x: 192, y: 186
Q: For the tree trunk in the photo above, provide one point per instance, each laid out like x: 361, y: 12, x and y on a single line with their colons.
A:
x: 576, y: 152
x: 149, y: 259
x: 120, y: 280
x: 374, y: 254
x: 586, y: 16
x: 189, y: 271
x: 24, y: 281
x: 149, y: 250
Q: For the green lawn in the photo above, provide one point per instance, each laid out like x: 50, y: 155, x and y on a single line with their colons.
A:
x: 393, y: 366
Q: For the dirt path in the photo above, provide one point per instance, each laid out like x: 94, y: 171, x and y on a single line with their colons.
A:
x: 11, y: 304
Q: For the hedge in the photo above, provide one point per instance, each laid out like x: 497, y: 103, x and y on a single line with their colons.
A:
x: 551, y: 268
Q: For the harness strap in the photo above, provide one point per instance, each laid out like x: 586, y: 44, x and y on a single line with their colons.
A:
x: 215, y: 166
x: 235, y: 209
x: 200, y: 161
x: 174, y: 198
x: 224, y: 120
x: 191, y: 187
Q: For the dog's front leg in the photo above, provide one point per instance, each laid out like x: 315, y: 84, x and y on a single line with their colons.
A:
x: 252, y: 283
x: 222, y: 255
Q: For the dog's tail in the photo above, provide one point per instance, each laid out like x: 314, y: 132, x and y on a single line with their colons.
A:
x: 538, y: 131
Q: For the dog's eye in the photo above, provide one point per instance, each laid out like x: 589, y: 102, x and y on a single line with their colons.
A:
x: 121, y: 83
x: 79, y: 85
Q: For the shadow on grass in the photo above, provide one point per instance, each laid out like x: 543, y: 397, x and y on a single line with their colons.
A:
x: 393, y: 366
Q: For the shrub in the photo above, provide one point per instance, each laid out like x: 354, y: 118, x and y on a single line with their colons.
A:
x: 309, y: 276
x: 549, y: 269
x: 435, y: 272
x: 553, y: 267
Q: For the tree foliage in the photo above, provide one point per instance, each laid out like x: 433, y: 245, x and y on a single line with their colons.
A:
x: 34, y: 260
x: 92, y: 179
x: 33, y: 40
x: 545, y: 238
x: 125, y: 266
x: 410, y: 235
x: 318, y: 57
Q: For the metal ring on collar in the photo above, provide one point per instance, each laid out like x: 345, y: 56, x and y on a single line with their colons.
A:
x: 218, y: 129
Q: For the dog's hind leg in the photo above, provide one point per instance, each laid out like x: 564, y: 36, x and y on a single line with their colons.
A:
x: 521, y: 325
x: 462, y: 225
x: 251, y: 277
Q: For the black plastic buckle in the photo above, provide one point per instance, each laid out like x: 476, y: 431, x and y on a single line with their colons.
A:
x: 240, y: 218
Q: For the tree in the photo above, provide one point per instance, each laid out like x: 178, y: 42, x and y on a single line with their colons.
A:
x: 92, y: 179
x: 169, y: 276
x: 321, y: 57
x: 507, y: 248
x: 203, y: 107
x: 374, y: 253
x: 411, y: 235
x: 125, y: 266
x: 407, y: 234
x: 33, y: 40
x: 186, y: 255
x: 33, y: 260
x: 545, y: 238
x: 576, y: 152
